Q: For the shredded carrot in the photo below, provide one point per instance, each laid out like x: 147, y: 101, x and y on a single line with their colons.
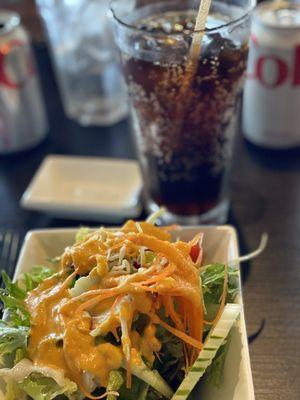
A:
x: 153, y: 230
x: 183, y: 247
x: 92, y: 302
x: 181, y: 335
x: 101, y: 294
x: 92, y: 293
x: 182, y: 326
x: 169, y: 270
x: 181, y: 300
x: 68, y: 281
x: 169, y: 306
x: 170, y: 228
x: 118, y: 244
x: 116, y: 302
x: 148, y: 229
x: 126, y: 321
x: 185, y: 267
x: 196, y: 329
x: 183, y: 311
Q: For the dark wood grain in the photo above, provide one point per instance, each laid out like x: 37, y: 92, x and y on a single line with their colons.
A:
x: 266, y: 190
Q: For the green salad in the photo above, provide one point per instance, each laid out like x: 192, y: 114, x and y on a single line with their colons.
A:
x: 121, y: 314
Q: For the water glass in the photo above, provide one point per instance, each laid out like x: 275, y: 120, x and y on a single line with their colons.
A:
x: 85, y: 60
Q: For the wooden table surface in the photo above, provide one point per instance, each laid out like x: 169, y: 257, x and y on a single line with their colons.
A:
x: 265, y: 198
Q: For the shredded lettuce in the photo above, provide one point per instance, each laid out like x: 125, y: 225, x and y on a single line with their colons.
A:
x: 21, y: 376
x: 36, y: 275
x: 25, y: 368
x: 171, y: 361
x: 13, y: 392
x: 82, y: 234
x: 14, y: 293
x: 149, y: 256
x: 13, y: 289
x: 39, y: 382
x: 39, y: 387
x: 12, y: 298
x: 12, y: 338
x: 19, y: 355
x: 212, y: 277
x: 54, y: 260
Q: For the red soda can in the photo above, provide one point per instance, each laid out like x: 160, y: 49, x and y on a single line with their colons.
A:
x: 23, y: 122
x: 271, y: 116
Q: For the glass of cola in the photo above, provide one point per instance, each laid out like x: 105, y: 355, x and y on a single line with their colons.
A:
x: 184, y: 123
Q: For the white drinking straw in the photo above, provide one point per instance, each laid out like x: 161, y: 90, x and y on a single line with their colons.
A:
x: 199, y: 32
x: 193, y: 60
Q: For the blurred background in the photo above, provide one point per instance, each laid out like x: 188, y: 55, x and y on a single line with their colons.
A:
x: 30, y: 16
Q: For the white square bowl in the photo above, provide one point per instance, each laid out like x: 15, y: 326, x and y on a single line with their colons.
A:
x: 220, y: 245
x: 90, y: 188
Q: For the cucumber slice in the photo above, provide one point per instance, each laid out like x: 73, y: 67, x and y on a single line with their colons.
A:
x: 212, y: 344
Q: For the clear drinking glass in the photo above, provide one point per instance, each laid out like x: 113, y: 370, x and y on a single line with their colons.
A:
x: 85, y: 59
x: 184, y: 122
